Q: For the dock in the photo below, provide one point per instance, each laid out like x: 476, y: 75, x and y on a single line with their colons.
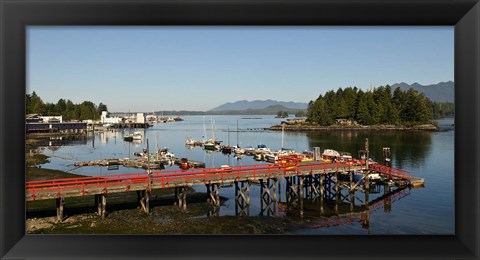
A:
x: 130, y: 125
x: 315, y: 180
x: 141, y: 163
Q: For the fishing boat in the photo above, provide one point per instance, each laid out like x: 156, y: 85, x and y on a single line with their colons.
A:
x: 261, y: 148
x: 135, y: 136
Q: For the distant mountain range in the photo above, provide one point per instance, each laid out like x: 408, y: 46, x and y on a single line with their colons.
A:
x: 260, y: 105
x: 440, y: 92
x: 270, y: 110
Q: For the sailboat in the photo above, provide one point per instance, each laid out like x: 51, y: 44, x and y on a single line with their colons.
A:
x: 227, y: 149
x: 236, y: 149
x: 212, y: 144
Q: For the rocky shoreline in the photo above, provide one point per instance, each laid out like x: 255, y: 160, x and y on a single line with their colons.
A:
x: 312, y: 128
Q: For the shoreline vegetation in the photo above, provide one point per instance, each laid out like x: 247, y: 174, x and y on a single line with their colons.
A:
x: 379, y: 108
x: 312, y: 127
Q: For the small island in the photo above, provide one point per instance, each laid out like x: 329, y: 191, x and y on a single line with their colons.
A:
x: 376, y: 109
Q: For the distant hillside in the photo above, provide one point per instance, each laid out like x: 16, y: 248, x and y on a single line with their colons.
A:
x: 258, y: 104
x: 440, y: 92
x: 270, y: 110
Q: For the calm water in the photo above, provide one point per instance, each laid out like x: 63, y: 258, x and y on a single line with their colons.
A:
x: 428, y: 210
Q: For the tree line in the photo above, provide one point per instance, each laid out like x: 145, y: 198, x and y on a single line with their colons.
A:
x: 66, y: 108
x: 378, y: 106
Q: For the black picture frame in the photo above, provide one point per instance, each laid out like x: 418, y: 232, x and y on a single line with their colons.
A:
x: 16, y: 15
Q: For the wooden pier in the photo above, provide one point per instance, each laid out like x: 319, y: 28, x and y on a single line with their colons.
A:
x: 316, y: 180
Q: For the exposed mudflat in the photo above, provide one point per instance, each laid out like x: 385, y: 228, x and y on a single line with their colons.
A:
x: 124, y: 216
x: 166, y: 219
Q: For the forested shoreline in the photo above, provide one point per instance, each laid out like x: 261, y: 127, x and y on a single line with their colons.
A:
x: 66, y: 108
x: 379, y: 106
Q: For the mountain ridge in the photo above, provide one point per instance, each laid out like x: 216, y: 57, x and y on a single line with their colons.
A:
x: 439, y: 92
x: 257, y: 104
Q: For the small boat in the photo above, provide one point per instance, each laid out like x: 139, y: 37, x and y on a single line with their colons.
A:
x: 261, y: 148
x: 184, y: 164
x: 330, y: 154
x: 249, y: 150
x: 137, y: 135
x: 209, y: 146
x: 227, y: 149
x: 190, y: 142
x: 238, y: 150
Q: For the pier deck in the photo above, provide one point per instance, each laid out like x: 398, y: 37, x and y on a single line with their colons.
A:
x: 310, y: 178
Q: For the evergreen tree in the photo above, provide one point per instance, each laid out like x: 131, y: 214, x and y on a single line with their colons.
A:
x: 61, y: 106
x: 101, y: 107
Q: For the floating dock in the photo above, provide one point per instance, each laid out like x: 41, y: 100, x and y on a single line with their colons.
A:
x: 141, y: 163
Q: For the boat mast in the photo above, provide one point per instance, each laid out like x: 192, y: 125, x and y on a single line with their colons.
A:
x: 213, y: 131
x: 237, y: 134
x: 228, y: 134
x: 204, y: 130
x: 188, y: 126
x: 282, y: 134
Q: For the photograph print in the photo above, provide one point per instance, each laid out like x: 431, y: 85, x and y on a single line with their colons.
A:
x: 240, y: 130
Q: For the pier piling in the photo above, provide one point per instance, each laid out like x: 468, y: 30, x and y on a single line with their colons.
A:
x: 60, y: 206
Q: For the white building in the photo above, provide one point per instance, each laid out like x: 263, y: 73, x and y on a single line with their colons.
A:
x: 105, y: 119
x: 51, y: 119
x: 140, y: 118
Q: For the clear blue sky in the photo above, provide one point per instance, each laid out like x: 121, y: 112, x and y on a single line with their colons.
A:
x: 199, y: 68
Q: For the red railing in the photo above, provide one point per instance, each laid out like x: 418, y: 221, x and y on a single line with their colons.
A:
x: 171, y: 178
x: 389, y: 171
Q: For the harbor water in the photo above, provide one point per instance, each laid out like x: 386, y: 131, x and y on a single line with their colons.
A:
x: 429, y: 155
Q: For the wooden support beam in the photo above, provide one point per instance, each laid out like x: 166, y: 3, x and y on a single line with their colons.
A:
x: 102, y: 205
x: 182, y: 198
x: 242, y: 198
x: 300, y: 188
x: 60, y: 206
x: 145, y: 201
x: 99, y: 204
x: 214, y: 194
x: 208, y: 193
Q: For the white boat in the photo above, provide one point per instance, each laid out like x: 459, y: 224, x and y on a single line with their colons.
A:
x: 249, y: 150
x: 330, y: 153
x: 190, y: 141
x: 273, y: 156
x: 238, y: 150
x: 262, y: 149
x: 131, y: 137
x: 137, y: 135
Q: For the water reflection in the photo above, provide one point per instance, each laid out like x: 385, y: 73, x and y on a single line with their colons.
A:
x: 324, y: 211
x: 58, y: 141
x: 407, y: 147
